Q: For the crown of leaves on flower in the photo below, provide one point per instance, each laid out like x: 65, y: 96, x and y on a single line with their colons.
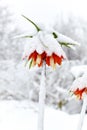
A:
x: 67, y: 43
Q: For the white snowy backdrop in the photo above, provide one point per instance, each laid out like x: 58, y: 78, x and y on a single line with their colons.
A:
x: 20, y: 84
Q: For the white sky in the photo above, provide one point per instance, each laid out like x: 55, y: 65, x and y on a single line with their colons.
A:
x: 47, y: 10
x: 48, y: 7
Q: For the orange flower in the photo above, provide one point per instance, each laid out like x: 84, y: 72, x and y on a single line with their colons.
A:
x: 50, y: 60
x: 57, y: 59
x: 79, y: 92
x: 33, y: 56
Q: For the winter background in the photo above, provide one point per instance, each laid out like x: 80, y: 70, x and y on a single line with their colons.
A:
x: 19, y: 87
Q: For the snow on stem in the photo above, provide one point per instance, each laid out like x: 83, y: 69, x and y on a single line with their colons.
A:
x: 82, y: 115
x: 42, y: 94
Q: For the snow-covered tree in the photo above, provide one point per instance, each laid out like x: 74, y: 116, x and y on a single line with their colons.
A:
x: 9, y: 47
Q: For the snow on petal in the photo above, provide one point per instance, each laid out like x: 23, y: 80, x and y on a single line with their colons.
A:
x: 32, y: 45
x: 43, y: 42
x: 80, y: 83
x: 78, y: 70
x: 52, y: 46
x: 64, y: 39
x: 79, y: 86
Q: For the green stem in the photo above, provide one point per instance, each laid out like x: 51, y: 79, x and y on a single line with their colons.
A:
x: 38, y: 29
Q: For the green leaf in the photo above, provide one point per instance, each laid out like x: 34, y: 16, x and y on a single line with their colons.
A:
x: 26, y: 36
x: 37, y: 28
x: 71, y: 93
x: 30, y: 64
x: 21, y: 36
x: 55, y: 35
x: 66, y: 44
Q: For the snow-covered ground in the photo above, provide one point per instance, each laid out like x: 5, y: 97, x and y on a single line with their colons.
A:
x: 22, y: 115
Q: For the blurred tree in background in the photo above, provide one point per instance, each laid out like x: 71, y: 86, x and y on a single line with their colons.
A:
x: 9, y: 47
x: 76, y: 28
x: 16, y: 83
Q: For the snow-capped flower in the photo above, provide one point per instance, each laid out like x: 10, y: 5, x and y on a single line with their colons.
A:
x: 79, y: 87
x: 43, y: 47
x: 46, y: 45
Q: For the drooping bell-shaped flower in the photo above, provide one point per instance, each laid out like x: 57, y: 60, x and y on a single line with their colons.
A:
x: 79, y: 87
x: 43, y: 47
x: 46, y: 45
